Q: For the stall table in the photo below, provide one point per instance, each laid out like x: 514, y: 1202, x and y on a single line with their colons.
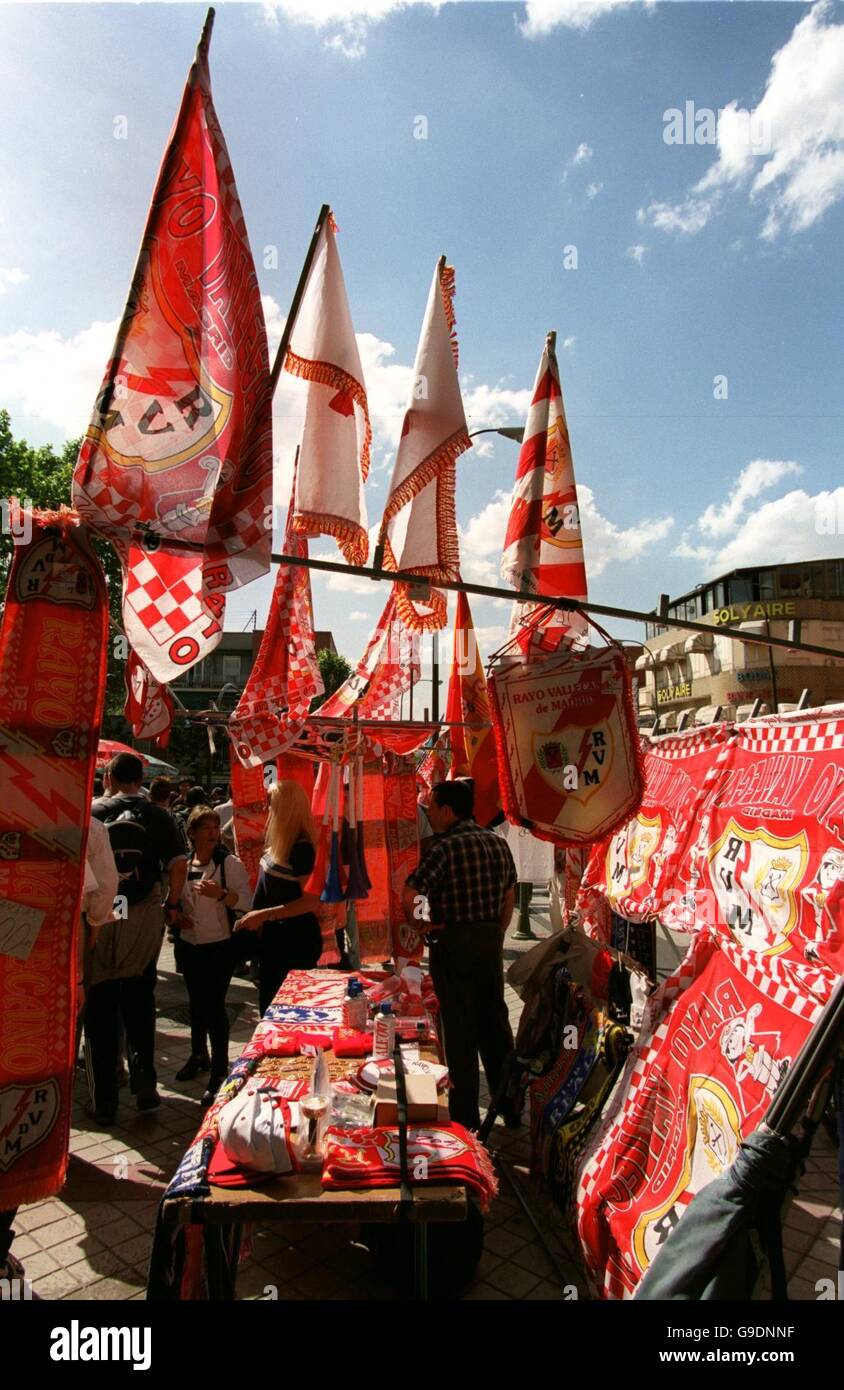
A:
x: 194, y: 1209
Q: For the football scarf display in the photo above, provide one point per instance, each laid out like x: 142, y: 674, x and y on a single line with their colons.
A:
x: 441, y: 1153
x: 334, y: 453
x: 543, y: 547
x: 249, y: 816
x: 149, y: 705
x: 568, y: 747
x: 419, y: 526
x: 468, y: 713
x: 285, y: 677
x: 180, y: 437
x: 385, y: 671
x: 52, y: 684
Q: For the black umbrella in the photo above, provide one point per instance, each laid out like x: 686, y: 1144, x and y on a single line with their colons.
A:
x: 712, y: 1251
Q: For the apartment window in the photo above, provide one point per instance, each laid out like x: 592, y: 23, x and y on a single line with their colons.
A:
x: 231, y: 667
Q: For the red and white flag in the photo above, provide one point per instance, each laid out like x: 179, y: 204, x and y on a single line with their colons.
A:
x: 149, y: 705
x: 420, y: 526
x: 180, y: 441
x: 386, y: 669
x: 334, y: 453
x: 469, y: 717
x: 543, y: 547
x: 285, y: 677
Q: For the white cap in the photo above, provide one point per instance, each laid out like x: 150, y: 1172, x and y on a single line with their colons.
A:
x: 252, y: 1130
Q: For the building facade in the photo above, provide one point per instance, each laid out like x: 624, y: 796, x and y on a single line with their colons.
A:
x: 221, y: 676
x: 693, y: 673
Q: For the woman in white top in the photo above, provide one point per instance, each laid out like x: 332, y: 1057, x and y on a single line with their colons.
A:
x: 216, y: 889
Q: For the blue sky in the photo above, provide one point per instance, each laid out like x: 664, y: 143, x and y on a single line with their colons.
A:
x: 545, y: 130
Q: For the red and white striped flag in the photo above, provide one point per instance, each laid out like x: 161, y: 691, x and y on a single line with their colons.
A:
x: 543, y: 548
x: 334, y: 453
x: 180, y: 440
x: 468, y: 715
x: 420, y: 526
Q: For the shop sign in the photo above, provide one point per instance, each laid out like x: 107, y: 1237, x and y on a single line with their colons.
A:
x: 674, y: 692
x: 742, y: 612
x: 753, y: 676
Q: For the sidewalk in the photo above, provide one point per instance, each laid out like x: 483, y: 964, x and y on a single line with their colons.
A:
x: 93, y: 1241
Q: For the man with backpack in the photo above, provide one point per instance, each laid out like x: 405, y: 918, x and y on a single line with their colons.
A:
x: 146, y: 843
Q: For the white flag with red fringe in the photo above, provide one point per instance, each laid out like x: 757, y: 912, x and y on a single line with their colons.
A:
x: 420, y: 526
x: 543, y: 547
x: 334, y: 453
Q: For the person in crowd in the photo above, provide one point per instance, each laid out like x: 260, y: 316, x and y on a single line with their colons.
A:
x: 146, y: 843
x: 468, y: 877
x: 183, y: 786
x: 218, y: 796
x: 162, y: 792
x: 216, y: 888
x: 281, y: 909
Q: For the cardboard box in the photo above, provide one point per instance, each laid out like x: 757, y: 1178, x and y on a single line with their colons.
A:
x: 422, y: 1101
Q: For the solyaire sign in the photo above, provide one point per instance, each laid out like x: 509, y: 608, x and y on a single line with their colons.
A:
x: 742, y: 612
x: 674, y: 692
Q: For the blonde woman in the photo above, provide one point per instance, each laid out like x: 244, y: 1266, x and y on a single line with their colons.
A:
x: 282, y: 910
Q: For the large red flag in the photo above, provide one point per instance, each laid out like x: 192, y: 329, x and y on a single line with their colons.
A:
x: 149, y: 705
x: 469, y: 717
x: 179, y: 443
x: 419, y: 523
x: 52, y: 683
x: 543, y: 548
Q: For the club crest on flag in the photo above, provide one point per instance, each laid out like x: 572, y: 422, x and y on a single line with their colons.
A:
x: 630, y: 855
x: 713, y: 1135
x: 27, y: 1115
x: 757, y: 876
x: 50, y: 570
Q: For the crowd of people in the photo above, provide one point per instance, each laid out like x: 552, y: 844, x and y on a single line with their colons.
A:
x: 161, y: 860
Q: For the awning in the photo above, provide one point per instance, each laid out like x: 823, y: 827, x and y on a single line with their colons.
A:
x: 700, y: 642
x: 645, y: 661
x: 673, y: 652
x: 669, y: 719
x: 757, y: 628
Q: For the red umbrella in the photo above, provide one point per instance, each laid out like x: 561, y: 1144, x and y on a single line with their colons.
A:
x: 108, y: 748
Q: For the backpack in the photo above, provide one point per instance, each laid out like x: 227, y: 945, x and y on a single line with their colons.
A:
x: 138, y: 866
x: 220, y: 856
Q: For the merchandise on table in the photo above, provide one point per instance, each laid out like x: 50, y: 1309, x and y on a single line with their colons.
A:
x: 442, y: 1153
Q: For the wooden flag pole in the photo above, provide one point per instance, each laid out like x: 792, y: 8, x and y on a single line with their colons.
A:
x: 296, y: 303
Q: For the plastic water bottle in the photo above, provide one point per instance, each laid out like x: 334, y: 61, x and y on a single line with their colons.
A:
x: 354, y: 1007
x: 384, y: 1037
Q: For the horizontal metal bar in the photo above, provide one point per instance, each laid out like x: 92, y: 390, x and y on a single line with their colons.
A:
x: 460, y: 586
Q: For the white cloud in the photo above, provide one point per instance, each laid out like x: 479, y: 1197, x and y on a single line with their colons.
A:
x: 11, y: 275
x: 348, y: 19
x: 604, y: 543
x: 358, y: 616
x: 545, y: 15
x: 582, y: 153
x: 592, y: 190
x: 756, y: 477
x: 788, y: 150
x: 797, y: 526
x: 493, y: 405
x: 636, y: 253
x: 72, y: 367
x: 568, y: 344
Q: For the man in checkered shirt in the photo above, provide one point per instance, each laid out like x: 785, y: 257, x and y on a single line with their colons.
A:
x: 469, y: 879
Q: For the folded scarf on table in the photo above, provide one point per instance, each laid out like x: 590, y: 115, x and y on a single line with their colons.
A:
x: 347, y: 1042
x: 436, y: 1154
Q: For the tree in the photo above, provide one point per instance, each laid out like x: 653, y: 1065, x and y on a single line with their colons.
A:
x: 334, y: 669
x: 41, y: 477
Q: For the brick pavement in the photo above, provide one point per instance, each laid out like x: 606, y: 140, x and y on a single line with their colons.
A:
x: 93, y: 1241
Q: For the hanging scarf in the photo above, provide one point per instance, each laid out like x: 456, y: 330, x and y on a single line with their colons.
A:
x: 52, y: 685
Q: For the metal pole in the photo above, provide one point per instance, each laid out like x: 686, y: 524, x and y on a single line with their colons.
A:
x: 510, y: 595
x: 435, y: 676
x: 296, y: 303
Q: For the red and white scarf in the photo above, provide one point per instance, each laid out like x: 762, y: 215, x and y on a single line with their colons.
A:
x: 436, y: 1153
x: 149, y: 705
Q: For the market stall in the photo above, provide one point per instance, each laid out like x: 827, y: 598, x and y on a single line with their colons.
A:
x: 340, y: 1134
